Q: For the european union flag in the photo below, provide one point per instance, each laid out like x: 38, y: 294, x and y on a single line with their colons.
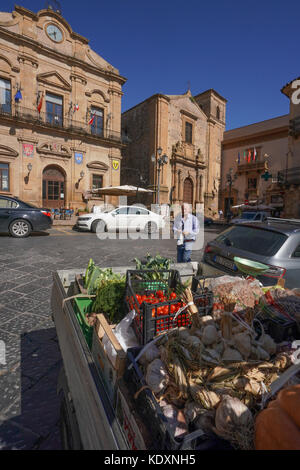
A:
x: 18, y: 96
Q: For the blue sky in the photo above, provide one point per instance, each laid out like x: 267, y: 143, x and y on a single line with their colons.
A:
x: 245, y: 50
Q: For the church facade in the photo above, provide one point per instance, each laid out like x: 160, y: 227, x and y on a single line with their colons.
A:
x: 189, y: 131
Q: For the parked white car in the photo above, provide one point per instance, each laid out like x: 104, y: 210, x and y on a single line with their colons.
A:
x: 122, y: 218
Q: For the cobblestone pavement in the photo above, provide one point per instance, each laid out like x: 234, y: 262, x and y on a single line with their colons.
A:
x: 29, y: 406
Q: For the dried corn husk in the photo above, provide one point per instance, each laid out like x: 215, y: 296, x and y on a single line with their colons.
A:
x: 207, y: 398
x: 209, y: 335
x: 253, y: 387
x: 219, y: 373
x: 234, y: 422
x: 282, y: 361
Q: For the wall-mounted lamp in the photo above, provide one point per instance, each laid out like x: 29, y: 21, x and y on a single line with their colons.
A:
x: 81, y: 177
x: 29, y: 168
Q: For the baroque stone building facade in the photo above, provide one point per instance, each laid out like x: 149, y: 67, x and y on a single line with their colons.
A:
x: 189, y: 130
x: 60, y: 112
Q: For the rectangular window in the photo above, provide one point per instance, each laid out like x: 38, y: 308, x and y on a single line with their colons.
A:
x: 97, y: 124
x: 4, y: 177
x: 54, y: 109
x: 189, y: 132
x: 252, y: 183
x: 97, y: 181
x: 5, y: 96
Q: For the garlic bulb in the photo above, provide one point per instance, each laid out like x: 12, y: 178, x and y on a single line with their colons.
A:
x: 150, y: 354
x: 231, y: 355
x: 232, y: 417
x: 206, y: 320
x: 209, y: 335
x: 191, y: 410
x: 184, y: 333
x: 242, y: 343
x: 156, y: 376
x: 193, y: 342
x: 205, y: 420
x: 268, y: 344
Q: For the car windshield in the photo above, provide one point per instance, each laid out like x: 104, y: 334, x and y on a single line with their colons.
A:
x: 255, y: 240
x: 248, y: 215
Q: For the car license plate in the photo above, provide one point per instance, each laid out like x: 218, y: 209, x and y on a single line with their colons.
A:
x: 225, y: 262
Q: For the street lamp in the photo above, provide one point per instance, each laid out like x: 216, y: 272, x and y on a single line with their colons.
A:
x: 160, y: 161
x: 230, y: 180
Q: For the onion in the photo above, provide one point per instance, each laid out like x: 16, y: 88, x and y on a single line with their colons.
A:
x: 157, y: 377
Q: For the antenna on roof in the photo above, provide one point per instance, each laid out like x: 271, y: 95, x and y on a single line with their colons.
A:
x: 53, y: 5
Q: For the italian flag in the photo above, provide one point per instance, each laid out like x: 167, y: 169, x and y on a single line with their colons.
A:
x: 249, y: 156
x: 254, y: 154
x: 92, y: 120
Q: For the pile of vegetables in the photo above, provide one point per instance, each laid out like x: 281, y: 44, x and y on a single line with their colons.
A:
x: 155, y: 263
x: 215, y: 373
x: 109, y: 289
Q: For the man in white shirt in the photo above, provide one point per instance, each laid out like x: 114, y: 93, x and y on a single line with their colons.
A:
x: 186, y: 227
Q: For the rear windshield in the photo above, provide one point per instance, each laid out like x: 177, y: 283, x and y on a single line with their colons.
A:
x: 253, y: 240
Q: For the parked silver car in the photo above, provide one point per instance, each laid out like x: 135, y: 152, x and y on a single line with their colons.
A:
x: 275, y: 243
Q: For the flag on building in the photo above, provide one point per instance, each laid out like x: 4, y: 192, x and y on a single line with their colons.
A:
x: 92, y: 119
x: 76, y: 108
x: 40, y: 102
x: 254, y: 154
x: 18, y: 96
x: 249, y: 156
x: 239, y: 158
x: 245, y: 158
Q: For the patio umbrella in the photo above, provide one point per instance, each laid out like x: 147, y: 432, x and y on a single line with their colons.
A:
x: 124, y: 190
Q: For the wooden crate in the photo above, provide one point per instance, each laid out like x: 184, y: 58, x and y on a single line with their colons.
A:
x: 110, y: 370
x: 80, y: 284
x: 135, y: 430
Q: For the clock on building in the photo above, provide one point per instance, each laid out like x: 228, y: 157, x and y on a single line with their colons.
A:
x: 54, y: 33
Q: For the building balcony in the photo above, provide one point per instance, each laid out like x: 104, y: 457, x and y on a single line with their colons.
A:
x: 21, y: 114
x: 252, y: 166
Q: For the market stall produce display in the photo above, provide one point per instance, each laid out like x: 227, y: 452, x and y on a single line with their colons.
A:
x: 211, y: 355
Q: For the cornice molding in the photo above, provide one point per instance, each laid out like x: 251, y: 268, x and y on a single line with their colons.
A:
x: 188, y: 114
x: 8, y: 152
x: 27, y: 59
x: 64, y: 58
x: 97, y: 165
x: 75, y: 77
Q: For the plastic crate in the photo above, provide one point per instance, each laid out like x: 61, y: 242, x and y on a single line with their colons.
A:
x: 148, y: 323
x: 82, y: 306
x: 152, y: 415
x: 280, y: 329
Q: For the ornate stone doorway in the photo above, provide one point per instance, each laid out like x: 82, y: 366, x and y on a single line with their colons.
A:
x: 53, y: 187
x: 188, y: 189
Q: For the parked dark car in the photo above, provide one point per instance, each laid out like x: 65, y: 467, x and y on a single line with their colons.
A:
x: 20, y: 218
x: 275, y: 243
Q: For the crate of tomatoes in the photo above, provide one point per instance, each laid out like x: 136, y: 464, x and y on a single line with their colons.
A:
x: 152, y: 294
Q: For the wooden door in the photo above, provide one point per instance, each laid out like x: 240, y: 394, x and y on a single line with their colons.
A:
x: 188, y: 191
x: 53, y: 188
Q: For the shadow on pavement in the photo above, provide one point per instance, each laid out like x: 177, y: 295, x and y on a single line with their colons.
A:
x: 28, y: 392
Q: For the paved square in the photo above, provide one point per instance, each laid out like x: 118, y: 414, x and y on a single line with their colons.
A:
x: 29, y: 406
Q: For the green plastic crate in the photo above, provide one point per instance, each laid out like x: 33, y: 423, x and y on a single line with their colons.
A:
x: 82, y: 306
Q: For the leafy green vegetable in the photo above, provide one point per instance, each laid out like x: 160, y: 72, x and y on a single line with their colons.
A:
x: 110, y: 299
x: 155, y: 263
x: 88, y: 272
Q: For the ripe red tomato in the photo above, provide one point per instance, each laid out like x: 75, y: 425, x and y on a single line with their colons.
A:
x: 159, y: 293
x: 173, y: 295
x: 165, y: 310
x: 173, y: 308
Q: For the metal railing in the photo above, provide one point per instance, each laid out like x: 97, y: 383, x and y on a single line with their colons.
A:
x: 254, y: 165
x: 21, y: 113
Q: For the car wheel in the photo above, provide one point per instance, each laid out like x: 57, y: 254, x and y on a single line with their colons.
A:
x: 150, y: 227
x: 98, y: 225
x: 20, y: 228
